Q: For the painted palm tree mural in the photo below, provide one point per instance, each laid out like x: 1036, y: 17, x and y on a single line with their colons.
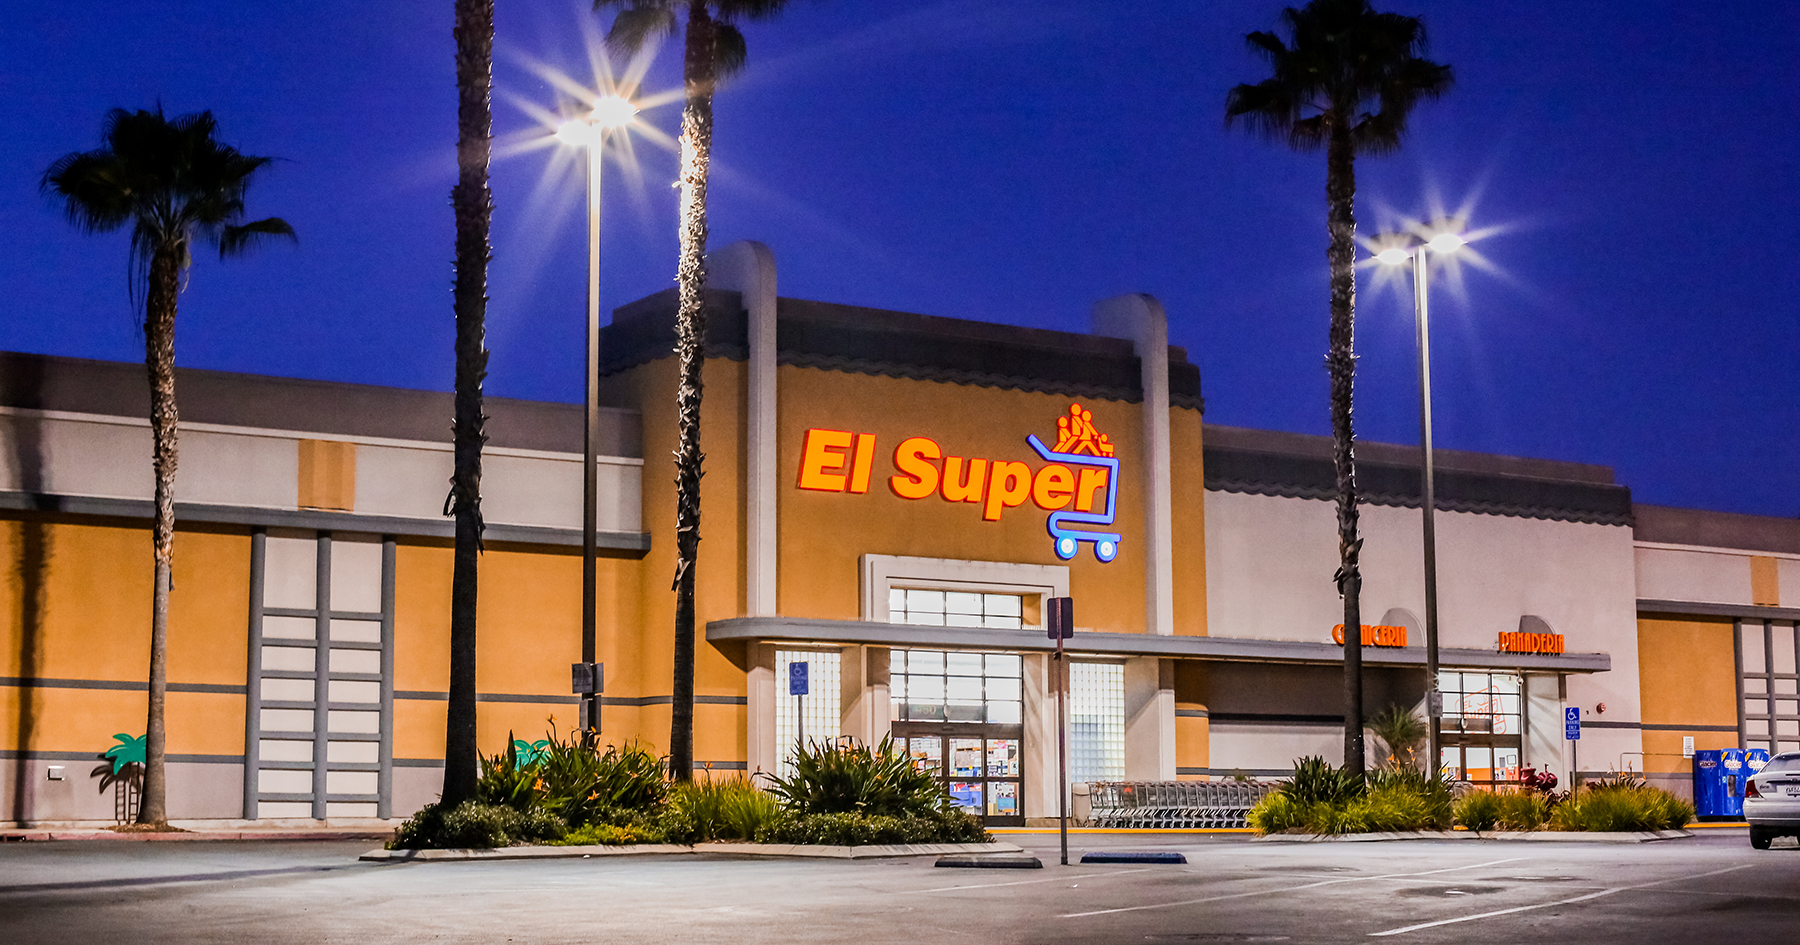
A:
x: 713, y: 48
x: 174, y: 184
x: 1345, y: 80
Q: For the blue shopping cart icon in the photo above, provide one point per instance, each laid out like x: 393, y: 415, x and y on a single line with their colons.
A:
x: 1068, y: 540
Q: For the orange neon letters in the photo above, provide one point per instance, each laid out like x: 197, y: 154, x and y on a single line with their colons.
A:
x: 822, y: 460
x: 918, y: 476
x: 1092, y: 481
x: 956, y: 487
x: 1008, y: 485
x: 862, y: 462
x: 1053, y: 487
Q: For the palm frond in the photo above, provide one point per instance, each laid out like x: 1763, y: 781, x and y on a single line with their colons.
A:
x: 730, y: 53
x: 638, y: 25
x: 237, y: 240
x: 732, y: 10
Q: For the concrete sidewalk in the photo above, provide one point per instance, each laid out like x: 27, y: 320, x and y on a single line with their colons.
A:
x: 200, y: 830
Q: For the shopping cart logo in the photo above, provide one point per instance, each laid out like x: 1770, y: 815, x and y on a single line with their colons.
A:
x: 1080, y: 444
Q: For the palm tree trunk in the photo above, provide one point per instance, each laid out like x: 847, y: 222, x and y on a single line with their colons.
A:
x: 690, y: 348
x: 1340, y: 194
x: 159, y: 360
x: 473, y: 206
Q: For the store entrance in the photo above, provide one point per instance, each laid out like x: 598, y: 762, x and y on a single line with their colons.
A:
x: 978, y: 763
x: 1481, y: 733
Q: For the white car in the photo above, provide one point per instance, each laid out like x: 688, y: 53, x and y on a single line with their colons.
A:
x: 1772, y: 800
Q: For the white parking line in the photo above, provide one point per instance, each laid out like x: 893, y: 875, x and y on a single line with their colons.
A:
x: 1546, y: 905
x: 1287, y: 889
x: 1023, y: 882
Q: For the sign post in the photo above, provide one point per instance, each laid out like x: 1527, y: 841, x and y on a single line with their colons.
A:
x: 1572, y: 734
x: 588, y: 680
x: 797, y: 687
x: 1061, y: 626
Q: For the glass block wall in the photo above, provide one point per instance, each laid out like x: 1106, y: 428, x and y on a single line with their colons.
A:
x: 1096, y: 722
x: 821, y: 703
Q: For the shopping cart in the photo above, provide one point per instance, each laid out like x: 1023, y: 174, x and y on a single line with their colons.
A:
x: 1068, y: 540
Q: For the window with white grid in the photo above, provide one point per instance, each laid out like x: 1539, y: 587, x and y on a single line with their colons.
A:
x: 1096, y: 722
x: 821, y: 718
x: 929, y: 608
x: 952, y: 686
x: 1767, y: 676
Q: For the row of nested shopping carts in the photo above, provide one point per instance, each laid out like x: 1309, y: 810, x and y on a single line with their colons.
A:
x: 1189, y: 805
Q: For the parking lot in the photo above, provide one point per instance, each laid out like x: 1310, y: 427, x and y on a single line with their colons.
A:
x: 1711, y: 888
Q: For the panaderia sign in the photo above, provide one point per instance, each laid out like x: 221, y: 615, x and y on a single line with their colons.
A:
x: 1076, y: 481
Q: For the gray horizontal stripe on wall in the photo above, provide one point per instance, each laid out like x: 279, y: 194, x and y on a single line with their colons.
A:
x: 1709, y: 609
x: 1234, y: 772
x: 1276, y: 718
x: 9, y: 754
x: 1656, y: 727
x: 1191, y: 713
x: 635, y: 544
x: 426, y: 695
x: 125, y: 685
x: 721, y: 765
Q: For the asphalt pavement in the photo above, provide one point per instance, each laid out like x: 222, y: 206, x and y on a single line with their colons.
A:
x: 1712, y: 888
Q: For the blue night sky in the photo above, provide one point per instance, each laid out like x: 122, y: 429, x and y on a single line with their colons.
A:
x: 1631, y: 167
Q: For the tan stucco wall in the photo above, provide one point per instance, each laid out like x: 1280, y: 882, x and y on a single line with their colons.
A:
x: 1688, y: 671
x: 75, y: 605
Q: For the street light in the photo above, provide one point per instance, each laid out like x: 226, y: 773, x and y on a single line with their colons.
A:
x: 609, y: 113
x: 1443, y: 237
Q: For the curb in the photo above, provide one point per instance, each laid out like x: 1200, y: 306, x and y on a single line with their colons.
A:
x: 1527, y: 836
x: 872, y: 851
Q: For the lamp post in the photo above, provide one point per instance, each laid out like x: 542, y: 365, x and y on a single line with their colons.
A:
x: 1403, y: 249
x: 609, y: 112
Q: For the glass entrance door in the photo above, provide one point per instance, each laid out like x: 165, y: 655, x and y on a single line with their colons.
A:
x: 1481, y: 732
x: 958, y: 714
x: 980, y: 765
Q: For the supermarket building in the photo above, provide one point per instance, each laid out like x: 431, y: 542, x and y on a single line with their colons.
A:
x: 889, y: 498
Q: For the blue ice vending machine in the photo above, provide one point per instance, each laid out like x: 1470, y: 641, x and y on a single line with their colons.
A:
x: 1719, y: 784
x: 1754, y: 759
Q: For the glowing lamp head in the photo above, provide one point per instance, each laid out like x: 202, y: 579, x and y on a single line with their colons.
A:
x: 575, y: 131
x: 1446, y: 243
x: 612, y: 111
x: 1393, y: 256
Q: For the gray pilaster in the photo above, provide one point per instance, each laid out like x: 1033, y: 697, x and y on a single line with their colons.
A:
x: 384, y: 785
x: 253, y: 672
x: 749, y: 268
x: 1140, y: 319
x: 321, y: 672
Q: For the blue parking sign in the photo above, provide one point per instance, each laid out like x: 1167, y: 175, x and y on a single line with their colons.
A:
x: 796, y: 679
x: 1572, y: 724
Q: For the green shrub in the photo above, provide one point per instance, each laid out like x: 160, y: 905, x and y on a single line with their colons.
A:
x: 475, y: 825
x: 585, y: 786
x: 1490, y: 810
x: 1479, y: 810
x: 1323, y: 800
x: 508, y: 782
x: 1402, y: 732
x: 609, y: 835
x: 726, y: 809
x: 855, y: 779
x: 1315, y: 781
x: 1622, y: 807
x: 850, y: 829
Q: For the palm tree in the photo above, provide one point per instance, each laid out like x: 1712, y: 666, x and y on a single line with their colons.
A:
x: 173, y: 183
x: 713, y: 48
x: 1346, y: 81
x: 473, y: 205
